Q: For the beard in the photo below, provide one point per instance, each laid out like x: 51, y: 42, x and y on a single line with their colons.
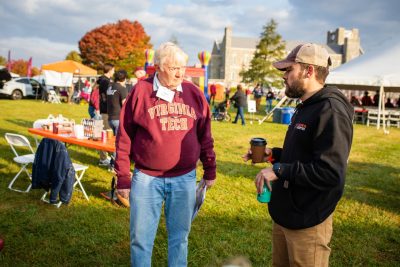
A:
x: 296, y: 89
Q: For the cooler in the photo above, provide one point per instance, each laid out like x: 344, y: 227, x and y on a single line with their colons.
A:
x: 277, y: 115
x: 287, y: 114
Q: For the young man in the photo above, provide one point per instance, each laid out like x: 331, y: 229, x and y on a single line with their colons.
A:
x: 269, y: 99
x: 165, y: 128
x: 116, y: 95
x: 104, y: 82
x: 308, y: 173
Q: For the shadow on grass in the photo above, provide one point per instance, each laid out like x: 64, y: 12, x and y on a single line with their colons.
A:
x: 374, y: 184
x: 20, y: 122
x: 238, y: 169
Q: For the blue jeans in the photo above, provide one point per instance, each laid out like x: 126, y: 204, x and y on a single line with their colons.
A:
x: 268, y: 106
x: 114, y: 124
x: 146, y: 199
x: 239, y: 113
x: 91, y: 111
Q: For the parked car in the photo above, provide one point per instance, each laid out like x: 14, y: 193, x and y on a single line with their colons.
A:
x: 22, y: 87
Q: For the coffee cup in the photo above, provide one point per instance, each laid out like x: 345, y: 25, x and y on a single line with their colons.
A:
x: 258, y: 149
x: 265, y: 195
x: 110, y: 133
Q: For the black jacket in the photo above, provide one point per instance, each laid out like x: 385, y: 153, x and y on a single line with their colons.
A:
x: 240, y: 99
x: 53, y: 169
x: 104, y: 83
x: 313, y: 161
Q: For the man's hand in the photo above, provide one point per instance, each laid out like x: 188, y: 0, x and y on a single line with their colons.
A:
x: 124, y: 193
x: 209, y: 183
x: 265, y: 176
x: 268, y: 153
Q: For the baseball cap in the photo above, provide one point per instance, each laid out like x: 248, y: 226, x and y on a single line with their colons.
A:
x: 305, y: 53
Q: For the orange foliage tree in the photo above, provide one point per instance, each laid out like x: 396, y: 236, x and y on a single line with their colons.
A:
x: 122, y: 44
x: 20, y: 67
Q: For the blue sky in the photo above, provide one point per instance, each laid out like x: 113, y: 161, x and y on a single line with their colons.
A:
x: 48, y: 29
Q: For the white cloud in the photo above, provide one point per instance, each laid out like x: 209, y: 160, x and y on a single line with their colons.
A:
x: 42, y: 50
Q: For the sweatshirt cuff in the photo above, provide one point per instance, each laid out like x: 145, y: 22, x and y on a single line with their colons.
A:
x: 124, y: 182
x: 276, y: 155
x: 285, y: 171
x: 210, y: 174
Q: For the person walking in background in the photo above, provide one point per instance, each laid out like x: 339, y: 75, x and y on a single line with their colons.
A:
x: 116, y: 95
x: 308, y: 173
x: 240, y: 101
x: 165, y: 128
x: 258, y: 93
x: 213, y: 93
x: 269, y: 98
x: 104, y: 82
x: 94, y: 105
x: 70, y: 93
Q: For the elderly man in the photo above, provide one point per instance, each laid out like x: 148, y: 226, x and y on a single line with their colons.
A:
x: 165, y: 128
x: 308, y: 173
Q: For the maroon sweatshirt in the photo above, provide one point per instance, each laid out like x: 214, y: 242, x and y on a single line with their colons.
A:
x: 164, y: 139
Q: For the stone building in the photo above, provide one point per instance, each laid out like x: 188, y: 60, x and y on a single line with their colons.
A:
x: 232, y: 54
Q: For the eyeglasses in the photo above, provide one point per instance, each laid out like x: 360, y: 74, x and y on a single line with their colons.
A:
x: 175, y: 69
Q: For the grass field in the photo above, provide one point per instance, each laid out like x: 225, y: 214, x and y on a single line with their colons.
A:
x: 231, y: 222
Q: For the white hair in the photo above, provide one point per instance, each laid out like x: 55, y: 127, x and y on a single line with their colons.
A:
x: 169, y: 52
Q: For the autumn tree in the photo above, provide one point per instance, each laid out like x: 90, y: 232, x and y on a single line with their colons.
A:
x: 122, y: 44
x: 20, y: 67
x: 75, y: 56
x: 270, y: 49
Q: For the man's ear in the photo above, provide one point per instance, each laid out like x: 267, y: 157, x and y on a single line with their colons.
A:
x: 309, y: 71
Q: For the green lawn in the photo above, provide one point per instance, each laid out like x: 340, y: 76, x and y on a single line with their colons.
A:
x: 231, y: 222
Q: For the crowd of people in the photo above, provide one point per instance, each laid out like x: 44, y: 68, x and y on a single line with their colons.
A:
x: 367, y: 101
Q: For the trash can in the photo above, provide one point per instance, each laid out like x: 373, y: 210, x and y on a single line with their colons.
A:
x: 277, y: 115
x: 287, y: 114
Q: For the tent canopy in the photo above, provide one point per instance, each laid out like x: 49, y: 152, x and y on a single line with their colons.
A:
x: 70, y: 66
x: 371, y: 71
x: 377, y: 70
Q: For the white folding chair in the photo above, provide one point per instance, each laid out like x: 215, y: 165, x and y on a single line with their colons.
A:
x: 17, y: 140
x: 53, y: 97
x: 79, y: 172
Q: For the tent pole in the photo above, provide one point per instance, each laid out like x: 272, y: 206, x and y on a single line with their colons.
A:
x: 378, y: 124
x: 272, y: 110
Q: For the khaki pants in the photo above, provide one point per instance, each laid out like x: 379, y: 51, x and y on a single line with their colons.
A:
x: 304, y: 247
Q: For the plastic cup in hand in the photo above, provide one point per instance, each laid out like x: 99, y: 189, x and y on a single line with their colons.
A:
x: 265, y: 195
x: 258, y: 149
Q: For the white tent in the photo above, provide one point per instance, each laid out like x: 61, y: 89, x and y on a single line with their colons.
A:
x: 377, y: 70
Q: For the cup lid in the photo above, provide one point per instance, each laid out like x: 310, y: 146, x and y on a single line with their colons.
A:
x: 258, y: 141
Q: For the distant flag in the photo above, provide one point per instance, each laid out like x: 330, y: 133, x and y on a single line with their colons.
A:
x: 9, y: 61
x: 29, y: 72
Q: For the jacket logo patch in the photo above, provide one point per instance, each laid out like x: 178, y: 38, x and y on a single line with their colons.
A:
x: 300, y: 126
